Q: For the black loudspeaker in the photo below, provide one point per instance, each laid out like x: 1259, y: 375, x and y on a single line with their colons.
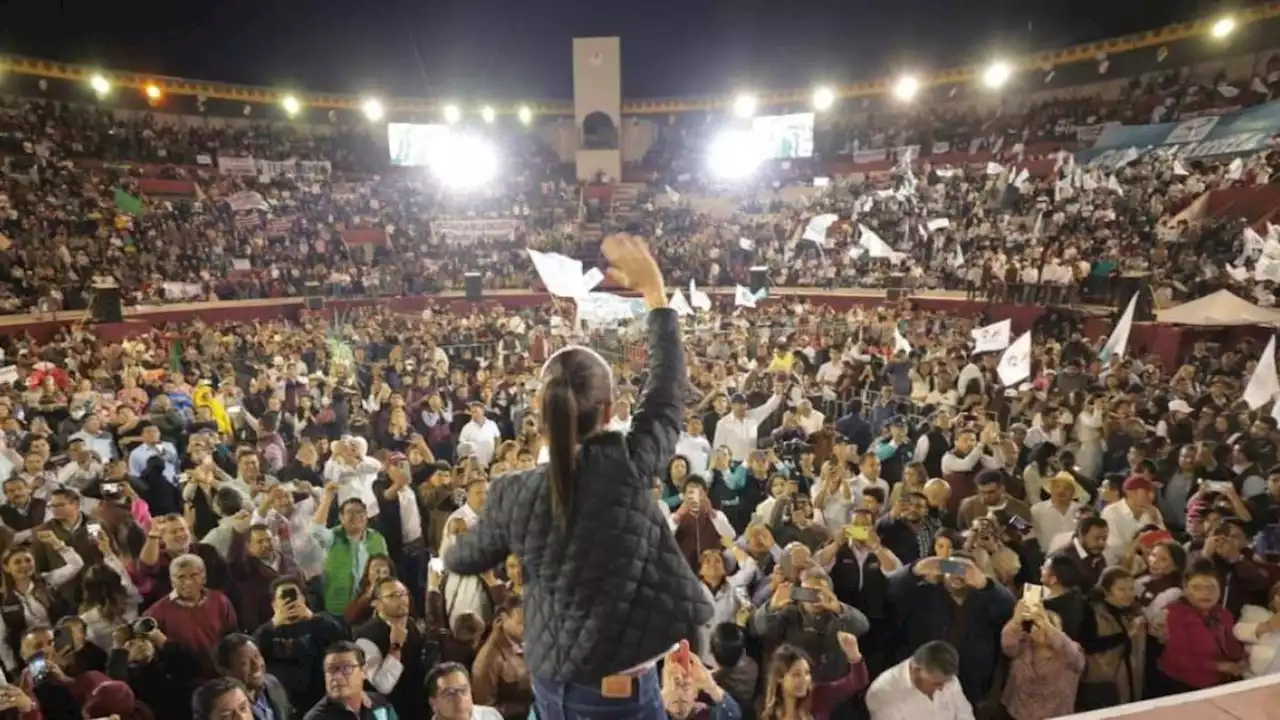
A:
x: 894, y: 294
x: 474, y: 291
x: 759, y: 278
x: 106, y: 306
x: 315, y: 303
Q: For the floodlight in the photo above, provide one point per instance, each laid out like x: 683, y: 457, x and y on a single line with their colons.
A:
x: 291, y: 105
x: 152, y: 91
x: 734, y: 154
x: 100, y: 85
x: 823, y: 98
x: 452, y: 114
x: 373, y: 110
x: 1223, y: 27
x: 744, y: 106
x: 488, y: 115
x: 996, y: 75
x: 465, y: 162
x: 906, y: 88
x: 525, y: 114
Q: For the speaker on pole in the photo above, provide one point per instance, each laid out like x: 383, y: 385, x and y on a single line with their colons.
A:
x: 474, y: 290
x: 759, y: 278
x: 107, y: 305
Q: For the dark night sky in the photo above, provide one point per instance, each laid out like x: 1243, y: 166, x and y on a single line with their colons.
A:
x: 521, y: 49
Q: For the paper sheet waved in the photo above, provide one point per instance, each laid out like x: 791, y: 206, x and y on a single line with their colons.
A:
x: 679, y: 304
x: 599, y: 308
x: 698, y: 299
x: 1015, y: 363
x: 563, y: 276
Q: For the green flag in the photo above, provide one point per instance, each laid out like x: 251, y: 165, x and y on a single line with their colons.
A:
x: 128, y: 203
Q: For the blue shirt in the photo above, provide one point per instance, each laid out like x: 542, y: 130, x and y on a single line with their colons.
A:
x: 262, y: 707
x: 166, y: 451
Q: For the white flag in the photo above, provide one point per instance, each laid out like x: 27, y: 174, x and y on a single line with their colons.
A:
x: 672, y: 195
x: 746, y: 244
x: 1114, y: 185
x: 1015, y: 363
x: 742, y: 297
x: 680, y: 305
x: 994, y: 168
x: 698, y: 299
x: 993, y: 337
x: 1235, y: 170
x: 1179, y: 170
x: 816, y: 230
x: 1020, y: 179
x: 562, y: 275
x: 1119, y: 340
x: 591, y: 278
x: 900, y: 343
x: 875, y: 246
x: 958, y: 260
x: 939, y: 224
x: 1263, y: 384
x: 1228, y: 91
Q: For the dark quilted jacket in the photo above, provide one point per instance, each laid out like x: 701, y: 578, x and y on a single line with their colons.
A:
x: 612, y: 591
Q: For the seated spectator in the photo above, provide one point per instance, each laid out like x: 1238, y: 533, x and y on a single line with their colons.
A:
x: 344, y: 678
x: 221, y: 699
x: 395, y: 649
x: 499, y: 676
x: 449, y: 694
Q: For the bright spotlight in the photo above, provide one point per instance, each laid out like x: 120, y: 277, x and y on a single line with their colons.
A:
x: 291, y: 105
x: 823, y: 98
x: 153, y: 92
x: 488, y: 115
x: 525, y: 114
x: 734, y: 154
x: 100, y: 85
x: 744, y: 106
x: 906, y: 88
x: 996, y: 75
x: 373, y: 110
x: 452, y: 114
x: 1223, y: 27
x: 465, y: 162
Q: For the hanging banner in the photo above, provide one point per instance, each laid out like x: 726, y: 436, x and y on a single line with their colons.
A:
x: 501, y: 227
x: 243, y: 167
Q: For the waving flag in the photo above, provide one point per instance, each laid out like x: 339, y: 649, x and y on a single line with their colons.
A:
x: 992, y: 337
x: 1119, y: 340
x: 816, y: 230
x: 1263, y: 384
x: 1015, y: 363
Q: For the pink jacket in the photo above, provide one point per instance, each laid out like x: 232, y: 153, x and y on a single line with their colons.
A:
x: 1197, y: 643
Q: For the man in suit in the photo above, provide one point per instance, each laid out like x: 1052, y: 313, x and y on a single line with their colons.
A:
x: 239, y: 658
x: 1086, y: 550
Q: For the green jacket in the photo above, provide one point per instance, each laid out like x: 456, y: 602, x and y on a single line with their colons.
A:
x: 339, y: 563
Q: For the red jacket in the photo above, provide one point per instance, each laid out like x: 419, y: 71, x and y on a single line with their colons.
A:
x: 1197, y: 643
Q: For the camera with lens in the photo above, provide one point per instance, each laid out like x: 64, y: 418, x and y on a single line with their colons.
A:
x: 140, y: 629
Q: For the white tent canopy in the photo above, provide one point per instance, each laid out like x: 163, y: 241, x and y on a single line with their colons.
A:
x: 1220, y: 308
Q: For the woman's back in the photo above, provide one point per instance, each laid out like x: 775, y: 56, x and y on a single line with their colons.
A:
x: 607, y: 589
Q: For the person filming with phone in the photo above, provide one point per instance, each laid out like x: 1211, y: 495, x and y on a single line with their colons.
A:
x: 162, y: 673
x: 952, y: 599
x: 595, y: 627
x: 809, y: 616
x: 859, y: 567
x: 293, y: 642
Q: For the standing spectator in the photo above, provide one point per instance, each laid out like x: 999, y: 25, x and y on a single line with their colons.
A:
x: 926, y: 685
x: 350, y: 547
x: 449, y: 693
x: 740, y: 429
x: 1200, y: 649
x: 1046, y: 666
x: 293, y: 642
x: 256, y: 564
x: 161, y: 672
x: 395, y: 649
x: 29, y: 598
x: 344, y: 680
x: 481, y: 433
x: 1113, y: 636
x: 240, y: 660
x: 194, y: 616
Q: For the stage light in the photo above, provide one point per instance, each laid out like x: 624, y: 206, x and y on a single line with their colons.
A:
x: 291, y: 105
x: 744, y: 106
x: 373, y: 110
x: 465, y: 162
x: 153, y: 92
x: 823, y: 98
x: 488, y: 115
x: 996, y: 75
x: 906, y: 88
x: 1223, y: 27
x: 734, y: 154
x: 525, y: 114
x: 452, y: 114
x: 100, y: 85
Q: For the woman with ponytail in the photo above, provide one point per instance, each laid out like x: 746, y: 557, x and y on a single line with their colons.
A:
x: 607, y: 591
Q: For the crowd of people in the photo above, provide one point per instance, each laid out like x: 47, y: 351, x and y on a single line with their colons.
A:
x: 249, y: 520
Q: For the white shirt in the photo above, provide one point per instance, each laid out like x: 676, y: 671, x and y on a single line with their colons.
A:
x: 718, y: 520
x: 830, y: 372
x: 483, y: 437
x: 697, y: 450
x: 740, y: 436
x: 1049, y: 523
x: 894, y: 697
x: 354, y: 482
x: 810, y: 423
x: 1123, y: 526
x: 968, y: 374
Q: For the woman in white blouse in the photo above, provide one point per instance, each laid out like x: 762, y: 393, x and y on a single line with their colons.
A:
x: 29, y: 597
x: 109, y: 597
x: 1259, y: 629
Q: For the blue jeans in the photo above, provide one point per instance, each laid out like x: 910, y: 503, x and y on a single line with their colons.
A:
x: 566, y: 701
